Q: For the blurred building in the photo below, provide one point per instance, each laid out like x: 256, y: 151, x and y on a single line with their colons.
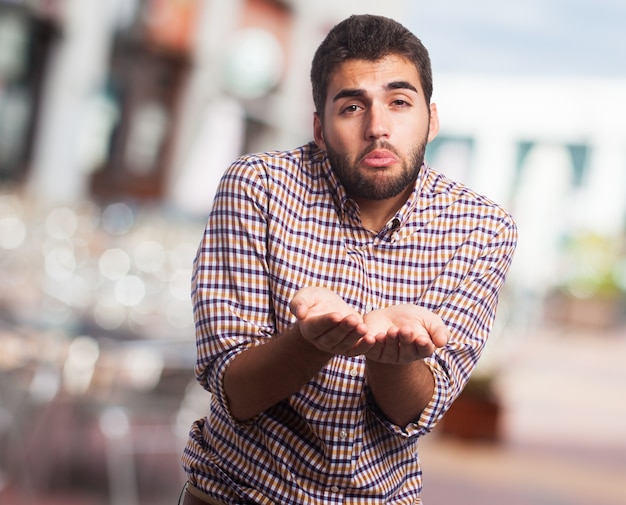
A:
x: 116, y: 121
x: 127, y: 98
x: 553, y: 150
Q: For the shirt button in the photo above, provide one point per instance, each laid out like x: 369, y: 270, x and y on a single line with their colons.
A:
x: 354, y: 372
x: 334, y: 489
x: 369, y: 308
x: 343, y: 434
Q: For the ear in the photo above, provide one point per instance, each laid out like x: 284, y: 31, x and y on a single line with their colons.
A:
x: 318, y: 132
x: 433, y: 128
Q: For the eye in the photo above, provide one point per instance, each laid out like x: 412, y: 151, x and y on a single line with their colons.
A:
x: 351, y: 108
x: 400, y: 102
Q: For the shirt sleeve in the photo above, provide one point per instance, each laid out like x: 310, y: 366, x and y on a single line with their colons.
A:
x: 469, y: 312
x: 230, y: 293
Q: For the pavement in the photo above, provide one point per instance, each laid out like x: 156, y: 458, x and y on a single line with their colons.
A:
x: 563, y: 429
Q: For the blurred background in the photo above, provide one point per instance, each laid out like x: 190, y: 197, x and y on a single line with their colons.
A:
x: 118, y: 117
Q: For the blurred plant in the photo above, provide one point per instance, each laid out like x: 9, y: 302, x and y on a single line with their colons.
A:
x: 594, y: 266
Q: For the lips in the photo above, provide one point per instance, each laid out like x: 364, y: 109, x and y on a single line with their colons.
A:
x: 380, y: 158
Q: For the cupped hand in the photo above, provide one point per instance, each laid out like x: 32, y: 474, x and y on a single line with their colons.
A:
x: 405, y: 333
x: 329, y: 323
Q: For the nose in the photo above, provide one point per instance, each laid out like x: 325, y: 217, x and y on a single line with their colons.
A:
x: 378, y: 124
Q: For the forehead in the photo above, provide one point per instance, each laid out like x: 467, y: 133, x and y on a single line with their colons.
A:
x: 371, y: 75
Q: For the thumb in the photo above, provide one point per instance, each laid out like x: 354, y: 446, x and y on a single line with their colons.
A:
x: 299, y: 307
x: 439, y: 334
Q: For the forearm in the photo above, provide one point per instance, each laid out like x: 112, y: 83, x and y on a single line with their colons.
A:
x: 401, y: 391
x: 267, y: 374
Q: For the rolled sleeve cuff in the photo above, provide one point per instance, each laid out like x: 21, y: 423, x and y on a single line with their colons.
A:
x: 216, y: 384
x: 427, y: 420
x: 437, y: 406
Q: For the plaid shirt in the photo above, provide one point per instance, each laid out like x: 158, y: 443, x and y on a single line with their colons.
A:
x: 282, y: 221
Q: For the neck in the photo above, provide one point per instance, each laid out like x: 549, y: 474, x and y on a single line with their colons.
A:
x: 375, y: 214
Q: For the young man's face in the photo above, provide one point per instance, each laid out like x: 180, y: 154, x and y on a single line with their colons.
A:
x: 376, y: 126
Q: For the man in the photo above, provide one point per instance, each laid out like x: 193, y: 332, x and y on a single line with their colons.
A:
x: 343, y: 291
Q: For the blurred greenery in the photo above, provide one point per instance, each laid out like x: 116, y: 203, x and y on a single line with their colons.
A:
x: 594, y: 266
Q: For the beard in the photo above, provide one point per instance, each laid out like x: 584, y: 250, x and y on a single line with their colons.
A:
x: 360, y: 185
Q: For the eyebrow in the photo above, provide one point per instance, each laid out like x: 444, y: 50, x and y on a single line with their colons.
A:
x: 401, y: 85
x: 356, y: 92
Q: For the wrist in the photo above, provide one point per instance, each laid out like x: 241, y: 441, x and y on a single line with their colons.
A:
x: 302, y: 348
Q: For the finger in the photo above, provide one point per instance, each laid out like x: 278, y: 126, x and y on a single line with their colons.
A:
x: 415, y: 344
x: 391, y: 347
x: 437, y: 330
x: 359, y: 341
x: 424, y: 350
x: 334, y: 333
x: 314, y: 328
x: 345, y: 332
x: 362, y: 346
x: 376, y: 351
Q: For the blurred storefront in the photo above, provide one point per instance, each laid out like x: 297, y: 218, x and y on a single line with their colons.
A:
x: 27, y: 37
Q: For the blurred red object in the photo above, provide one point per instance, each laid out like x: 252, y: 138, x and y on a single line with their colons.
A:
x: 171, y: 24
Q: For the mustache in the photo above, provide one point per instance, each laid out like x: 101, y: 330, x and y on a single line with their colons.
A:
x: 378, y: 144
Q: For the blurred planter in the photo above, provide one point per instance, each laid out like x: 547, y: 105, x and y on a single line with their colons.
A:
x: 598, y: 312
x: 475, y: 415
x: 593, y: 282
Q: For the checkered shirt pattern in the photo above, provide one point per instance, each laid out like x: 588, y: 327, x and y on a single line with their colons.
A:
x: 282, y: 221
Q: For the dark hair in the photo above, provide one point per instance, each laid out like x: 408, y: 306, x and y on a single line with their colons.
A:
x: 367, y: 37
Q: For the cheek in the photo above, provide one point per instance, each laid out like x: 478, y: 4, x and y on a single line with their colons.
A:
x: 342, y: 137
x: 331, y: 139
x: 421, y: 133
